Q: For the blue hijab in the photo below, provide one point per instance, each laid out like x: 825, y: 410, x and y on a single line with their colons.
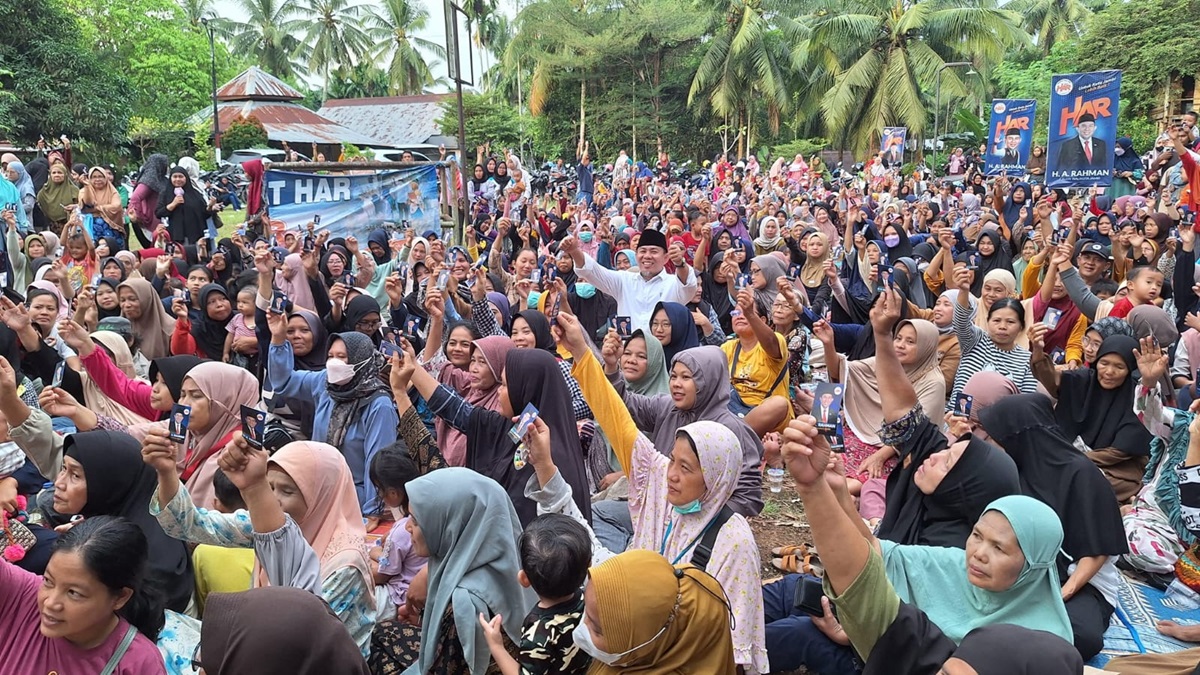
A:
x: 684, y: 334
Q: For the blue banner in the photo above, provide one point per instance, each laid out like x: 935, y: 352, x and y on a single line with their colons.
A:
x: 354, y: 204
x: 1083, y: 129
x: 1010, y: 136
x: 892, y: 145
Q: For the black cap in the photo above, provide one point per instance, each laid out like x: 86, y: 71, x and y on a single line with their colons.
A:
x: 653, y: 238
x: 1095, y: 248
x: 1012, y: 131
x: 1085, y: 117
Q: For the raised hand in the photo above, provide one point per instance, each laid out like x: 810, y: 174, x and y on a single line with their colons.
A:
x: 1151, y: 360
x: 159, y: 451
x: 611, y: 350
x: 886, y: 312
x: 805, y: 452
x: 1037, y: 337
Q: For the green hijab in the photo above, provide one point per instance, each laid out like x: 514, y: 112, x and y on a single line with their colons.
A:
x: 656, y: 380
x: 52, y: 197
x: 471, y: 530
x: 934, y: 579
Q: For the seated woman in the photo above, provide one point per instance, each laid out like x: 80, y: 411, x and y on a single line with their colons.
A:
x: 1096, y: 409
x: 1057, y: 474
x: 680, y: 624
x: 995, y: 349
x: 465, y: 524
x: 916, y: 345
x: 672, y: 324
x: 942, y: 316
x: 204, y: 337
x: 489, y: 448
x: 302, y: 497
x: 531, y: 330
x: 671, y: 515
x: 758, y: 360
x: 275, y: 631
x: 918, y: 610
x: 353, y: 410
x: 140, y: 304
x: 91, y: 612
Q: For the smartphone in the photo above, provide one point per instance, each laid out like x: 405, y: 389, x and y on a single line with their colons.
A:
x: 808, y: 597
x: 254, y: 423
x: 518, y: 430
x: 177, y: 424
x: 389, y: 348
x: 310, y: 243
x: 962, y: 404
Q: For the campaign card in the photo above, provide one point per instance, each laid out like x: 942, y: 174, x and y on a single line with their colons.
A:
x: 254, y: 424
x: 536, y: 276
x: 828, y: 406
x: 59, y: 370
x: 177, y: 425
x: 743, y: 281
x: 443, y: 279
x: 552, y: 314
x: 278, y: 255
x: 413, y: 325
x: 794, y: 272
x: 962, y: 404
x: 624, y: 326
x: 518, y: 431
x: 837, y: 440
x: 1050, y: 320
x: 388, y: 348
x: 279, y: 302
x: 348, y: 280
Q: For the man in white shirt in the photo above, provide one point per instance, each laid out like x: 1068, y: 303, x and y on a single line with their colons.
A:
x: 638, y: 291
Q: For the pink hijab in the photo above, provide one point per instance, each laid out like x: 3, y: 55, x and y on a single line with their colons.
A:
x: 495, y: 350
x: 296, y: 287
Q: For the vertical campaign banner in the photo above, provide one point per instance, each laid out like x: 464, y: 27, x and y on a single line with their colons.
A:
x: 1083, y: 129
x: 354, y: 203
x: 892, y: 145
x: 1010, y: 136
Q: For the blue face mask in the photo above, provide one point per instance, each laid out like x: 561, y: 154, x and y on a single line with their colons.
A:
x: 585, y: 237
x: 693, y: 506
x: 584, y: 291
x: 891, y: 240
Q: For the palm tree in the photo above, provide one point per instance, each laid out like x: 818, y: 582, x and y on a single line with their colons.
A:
x: 870, y: 61
x: 744, y: 65
x: 1050, y: 21
x: 393, y: 25
x: 335, y: 35
x: 195, y: 10
x: 268, y: 37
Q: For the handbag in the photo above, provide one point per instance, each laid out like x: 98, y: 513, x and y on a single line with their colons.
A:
x: 115, y: 660
x: 18, y: 539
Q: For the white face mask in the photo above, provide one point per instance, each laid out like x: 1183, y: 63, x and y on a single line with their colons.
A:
x: 1119, y: 150
x: 338, y: 371
x: 583, y: 639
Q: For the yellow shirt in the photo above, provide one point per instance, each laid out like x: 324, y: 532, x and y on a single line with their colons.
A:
x: 754, y: 371
x: 221, y: 570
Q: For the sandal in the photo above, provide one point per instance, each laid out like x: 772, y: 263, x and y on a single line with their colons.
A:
x: 795, y: 549
x: 804, y: 564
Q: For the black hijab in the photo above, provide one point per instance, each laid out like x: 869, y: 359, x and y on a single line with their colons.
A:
x: 102, y: 313
x: 533, y: 376
x: 1000, y: 259
x: 716, y: 293
x: 1103, y: 418
x: 208, y: 332
x: 1055, y: 473
x: 864, y: 344
x: 173, y: 369
x: 358, y: 309
x: 982, y: 474
x: 10, y: 348
x: 684, y: 334
x: 120, y: 484
x: 315, y: 359
x: 540, y: 325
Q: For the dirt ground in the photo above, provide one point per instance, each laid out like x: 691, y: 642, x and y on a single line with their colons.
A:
x: 782, y: 522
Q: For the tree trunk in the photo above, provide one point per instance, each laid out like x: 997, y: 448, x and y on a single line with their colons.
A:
x: 582, y: 114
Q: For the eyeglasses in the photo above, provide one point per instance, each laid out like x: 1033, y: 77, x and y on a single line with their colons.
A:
x: 1088, y: 342
x: 368, y: 324
x: 196, y: 665
x: 660, y: 325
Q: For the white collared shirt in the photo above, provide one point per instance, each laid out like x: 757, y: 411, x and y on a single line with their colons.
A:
x: 635, y: 295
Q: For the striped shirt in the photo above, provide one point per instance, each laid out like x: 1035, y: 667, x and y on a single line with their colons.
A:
x: 979, y: 353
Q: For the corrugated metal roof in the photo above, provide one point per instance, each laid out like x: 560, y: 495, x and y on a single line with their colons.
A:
x: 257, y: 85
x: 289, y: 122
x: 397, y: 121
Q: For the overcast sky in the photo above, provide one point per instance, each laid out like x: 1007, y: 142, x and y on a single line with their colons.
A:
x: 435, y: 31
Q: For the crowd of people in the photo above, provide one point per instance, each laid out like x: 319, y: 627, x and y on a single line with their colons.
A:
x: 540, y: 449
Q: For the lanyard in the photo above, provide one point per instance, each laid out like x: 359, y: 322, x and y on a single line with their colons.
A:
x: 662, y: 549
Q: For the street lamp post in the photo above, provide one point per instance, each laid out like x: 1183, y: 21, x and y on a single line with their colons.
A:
x: 937, y: 98
x: 212, y: 53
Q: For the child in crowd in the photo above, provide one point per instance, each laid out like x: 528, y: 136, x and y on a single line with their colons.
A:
x: 1144, y: 284
x: 242, y: 340
x: 555, y: 554
x: 394, y: 564
x: 219, y: 569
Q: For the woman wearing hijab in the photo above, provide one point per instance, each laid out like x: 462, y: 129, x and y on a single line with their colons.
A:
x: 489, y: 448
x: 466, y: 525
x: 310, y: 342
x: 18, y: 176
x: 672, y: 325
x: 204, y: 337
x: 275, y: 631
x: 52, y: 199
x: 184, y: 208
x: 353, y: 410
x: 305, y: 493
x: 140, y: 304
x: 1096, y: 408
x: 101, y: 473
x: 293, y: 281
x: 714, y: 285
x: 531, y: 330
x: 769, y: 239
x: 916, y: 345
x: 992, y: 255
x: 1010, y: 206
x: 1127, y: 169
x: 669, y: 516
x: 100, y: 199
x: 641, y: 361
x: 152, y: 183
x: 117, y: 350
x: 812, y: 271
x: 681, y: 624
x: 1055, y: 473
